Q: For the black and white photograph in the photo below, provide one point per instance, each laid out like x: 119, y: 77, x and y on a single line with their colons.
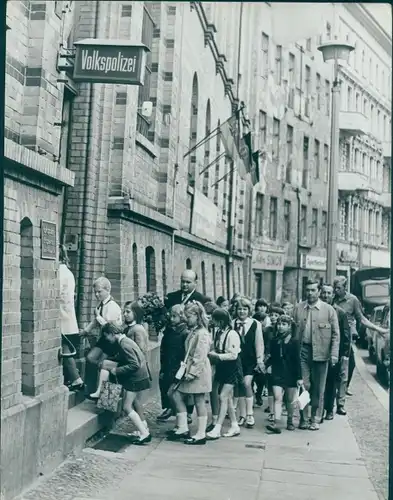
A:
x: 196, y: 250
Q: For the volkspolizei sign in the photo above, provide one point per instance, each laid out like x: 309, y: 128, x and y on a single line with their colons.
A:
x: 110, y: 61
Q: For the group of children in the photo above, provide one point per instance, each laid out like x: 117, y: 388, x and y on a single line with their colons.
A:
x: 221, y: 350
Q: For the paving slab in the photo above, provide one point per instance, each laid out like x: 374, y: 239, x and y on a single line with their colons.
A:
x: 312, y: 453
x: 289, y: 491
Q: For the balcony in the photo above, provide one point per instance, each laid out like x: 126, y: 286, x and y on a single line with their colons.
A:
x: 387, y: 150
x: 353, y: 123
x: 385, y: 199
x: 352, y: 181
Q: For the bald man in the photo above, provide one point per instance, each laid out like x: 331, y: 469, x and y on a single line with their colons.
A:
x: 187, y: 292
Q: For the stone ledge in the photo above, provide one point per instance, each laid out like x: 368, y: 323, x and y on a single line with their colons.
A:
x: 34, y: 161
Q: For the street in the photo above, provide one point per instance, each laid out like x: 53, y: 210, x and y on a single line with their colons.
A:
x: 346, y: 459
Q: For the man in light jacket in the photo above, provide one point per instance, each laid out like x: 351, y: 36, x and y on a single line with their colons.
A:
x: 319, y: 336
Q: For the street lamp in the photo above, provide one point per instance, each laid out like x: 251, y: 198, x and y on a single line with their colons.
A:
x: 333, y: 51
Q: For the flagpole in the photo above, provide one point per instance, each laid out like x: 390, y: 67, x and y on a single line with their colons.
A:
x: 218, y: 158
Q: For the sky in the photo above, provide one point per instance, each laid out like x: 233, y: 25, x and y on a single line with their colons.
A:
x: 382, y: 13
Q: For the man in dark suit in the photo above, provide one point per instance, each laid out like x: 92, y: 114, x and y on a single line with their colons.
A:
x: 187, y: 292
x: 336, y: 382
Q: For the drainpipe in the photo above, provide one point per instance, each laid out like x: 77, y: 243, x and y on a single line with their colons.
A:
x: 298, y: 254
x: 87, y: 181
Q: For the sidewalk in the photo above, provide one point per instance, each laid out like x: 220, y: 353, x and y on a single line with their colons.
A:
x: 294, y: 465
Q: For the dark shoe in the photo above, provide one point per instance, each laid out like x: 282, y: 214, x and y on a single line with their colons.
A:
x: 341, y: 411
x: 304, y: 425
x: 77, y: 387
x: 273, y: 428
x: 210, y: 427
x: 349, y: 393
x: 258, y: 401
x: 267, y: 410
x: 141, y: 442
x: 329, y: 415
x: 178, y: 437
x: 195, y: 442
x: 165, y: 415
x: 290, y: 426
x: 91, y: 398
x: 171, y: 431
x: 189, y: 419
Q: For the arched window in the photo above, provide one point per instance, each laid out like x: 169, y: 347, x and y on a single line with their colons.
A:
x: 214, y: 281
x: 203, y: 269
x: 163, y: 270
x: 205, y: 186
x: 239, y: 280
x: 223, y: 282
x: 193, y: 131
x: 188, y: 264
x: 135, y: 270
x: 26, y: 304
x: 218, y: 165
x: 150, y: 269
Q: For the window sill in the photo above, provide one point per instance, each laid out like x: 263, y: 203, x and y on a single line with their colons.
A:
x: 145, y: 144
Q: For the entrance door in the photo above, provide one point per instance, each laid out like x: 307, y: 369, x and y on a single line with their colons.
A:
x: 269, y: 286
x: 258, y: 285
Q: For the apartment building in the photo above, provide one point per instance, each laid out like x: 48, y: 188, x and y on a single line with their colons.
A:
x: 365, y: 139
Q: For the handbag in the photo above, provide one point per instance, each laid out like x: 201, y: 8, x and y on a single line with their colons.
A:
x: 183, y: 365
x: 110, y: 396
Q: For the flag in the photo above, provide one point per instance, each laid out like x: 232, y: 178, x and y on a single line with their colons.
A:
x: 292, y: 22
x: 230, y: 138
x: 255, y: 178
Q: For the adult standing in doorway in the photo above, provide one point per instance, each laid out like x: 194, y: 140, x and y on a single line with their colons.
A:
x: 68, y: 322
x: 337, y: 378
x: 319, y: 336
x: 186, y: 294
x: 352, y: 308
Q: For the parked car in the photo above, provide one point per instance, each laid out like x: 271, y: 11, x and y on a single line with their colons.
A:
x: 376, y: 318
x: 382, y: 349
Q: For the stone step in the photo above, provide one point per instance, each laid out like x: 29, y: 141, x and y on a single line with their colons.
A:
x: 75, y: 398
x: 84, y: 421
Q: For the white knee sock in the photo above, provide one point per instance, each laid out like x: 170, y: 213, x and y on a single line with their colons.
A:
x: 144, y: 422
x: 270, y: 402
x: 277, y: 410
x: 201, y: 432
x: 136, y: 420
x: 214, y: 419
x: 182, y: 423
x: 249, y: 405
x: 235, y: 401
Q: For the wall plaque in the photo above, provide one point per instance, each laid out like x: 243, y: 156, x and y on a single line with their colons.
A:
x: 48, y: 240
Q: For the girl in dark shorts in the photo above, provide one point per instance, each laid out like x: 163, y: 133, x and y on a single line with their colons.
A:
x: 228, y: 371
x: 132, y: 373
x: 286, y: 374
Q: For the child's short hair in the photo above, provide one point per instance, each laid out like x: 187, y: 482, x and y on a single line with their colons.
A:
x: 178, y: 309
x: 244, y: 302
x: 277, y: 310
x: 137, y: 311
x: 220, y: 300
x: 261, y: 303
x: 222, y: 316
x: 197, y: 308
x: 103, y: 282
x: 111, y: 329
x: 210, y: 307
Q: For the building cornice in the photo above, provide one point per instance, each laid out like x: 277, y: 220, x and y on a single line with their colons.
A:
x: 369, y: 22
x: 209, y: 31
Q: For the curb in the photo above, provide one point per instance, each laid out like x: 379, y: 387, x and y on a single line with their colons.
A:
x: 379, y: 392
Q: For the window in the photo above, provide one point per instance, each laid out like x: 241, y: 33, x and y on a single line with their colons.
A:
x: 317, y: 159
x: 370, y: 70
x: 278, y: 68
x: 326, y: 162
x: 372, y: 118
x: 307, y: 104
x: 265, y: 55
x: 364, y: 159
x: 305, y: 163
x: 363, y: 63
x: 349, y: 99
x: 377, y: 228
x: 327, y: 97
x: 328, y: 30
x: 143, y: 124
x: 308, y: 44
x: 288, y: 166
x: 203, y: 273
x: 365, y: 107
x: 223, y: 281
x: 214, y: 282
x: 292, y: 80
x: 135, y: 271
x: 357, y: 102
x: 259, y: 214
x: 206, y: 168
x: 384, y: 128
x: 318, y: 87
x: 314, y: 227
x: 303, y: 222
x: 262, y: 128
x: 324, y: 228
x: 355, y: 223
x: 193, y: 131
x: 370, y: 227
x: 383, y: 88
x: 276, y: 139
x: 273, y: 218
x: 150, y: 270
x: 188, y: 264
x: 377, y: 76
x: 164, y: 274
x: 287, y: 220
x: 66, y: 124
x: 378, y: 124
x: 126, y: 10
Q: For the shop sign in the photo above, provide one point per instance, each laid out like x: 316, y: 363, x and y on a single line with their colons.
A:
x: 204, y: 218
x: 313, y: 262
x: 48, y: 240
x: 268, y: 261
x: 110, y: 61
